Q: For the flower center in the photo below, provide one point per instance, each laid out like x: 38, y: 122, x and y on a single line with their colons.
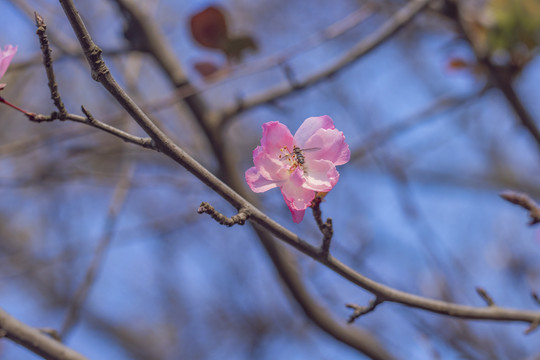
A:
x: 295, y: 158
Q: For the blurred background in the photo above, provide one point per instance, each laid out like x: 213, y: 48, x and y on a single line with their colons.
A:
x: 101, y: 240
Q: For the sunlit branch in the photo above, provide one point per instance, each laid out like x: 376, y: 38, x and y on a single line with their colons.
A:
x: 165, y: 144
x: 35, y: 340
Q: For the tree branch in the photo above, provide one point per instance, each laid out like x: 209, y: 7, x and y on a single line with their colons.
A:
x: 369, y: 43
x: 35, y: 340
x: 166, y: 145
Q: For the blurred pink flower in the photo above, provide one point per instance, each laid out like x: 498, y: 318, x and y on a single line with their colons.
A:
x: 300, y: 165
x: 5, y: 58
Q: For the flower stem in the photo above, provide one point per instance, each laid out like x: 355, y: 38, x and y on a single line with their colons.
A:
x: 29, y: 114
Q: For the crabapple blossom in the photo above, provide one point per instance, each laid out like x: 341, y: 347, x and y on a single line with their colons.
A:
x: 300, y: 165
x: 5, y: 58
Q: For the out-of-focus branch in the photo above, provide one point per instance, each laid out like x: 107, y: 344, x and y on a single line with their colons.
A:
x: 525, y: 202
x: 35, y: 340
x: 165, y: 144
x: 498, y: 78
x: 117, y: 202
x: 369, y: 43
x: 381, y: 136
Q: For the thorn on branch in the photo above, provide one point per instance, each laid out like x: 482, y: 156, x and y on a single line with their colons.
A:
x: 326, y: 227
x: 525, y: 202
x: 240, y: 218
x: 362, y: 310
x: 485, y: 296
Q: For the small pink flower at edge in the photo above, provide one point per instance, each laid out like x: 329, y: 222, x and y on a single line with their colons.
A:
x: 300, y: 165
x: 6, y: 56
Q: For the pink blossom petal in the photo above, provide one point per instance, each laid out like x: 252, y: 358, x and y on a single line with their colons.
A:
x: 310, y: 126
x: 276, y: 136
x: 321, y: 175
x: 332, y: 145
x: 5, y: 58
x: 257, y: 182
x: 299, y: 175
x: 296, y: 197
x: 297, y: 215
x: 269, y: 166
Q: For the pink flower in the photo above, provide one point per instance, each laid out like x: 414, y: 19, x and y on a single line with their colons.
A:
x: 5, y: 58
x: 300, y: 165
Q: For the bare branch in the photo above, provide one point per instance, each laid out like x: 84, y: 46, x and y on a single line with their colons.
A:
x: 47, y: 62
x: 35, y: 340
x: 166, y: 145
x: 239, y: 218
x: 147, y: 143
x: 525, y: 202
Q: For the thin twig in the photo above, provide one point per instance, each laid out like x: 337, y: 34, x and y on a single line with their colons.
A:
x: 117, y: 202
x: 525, y: 202
x: 485, y: 296
x: 47, y: 62
x: 326, y: 227
x: 239, y: 218
x: 146, y: 142
x: 363, y: 310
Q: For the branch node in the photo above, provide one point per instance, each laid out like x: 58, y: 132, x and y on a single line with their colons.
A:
x: 240, y: 218
x: 99, y: 68
x: 485, y: 296
x: 525, y: 202
x: 363, y: 310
